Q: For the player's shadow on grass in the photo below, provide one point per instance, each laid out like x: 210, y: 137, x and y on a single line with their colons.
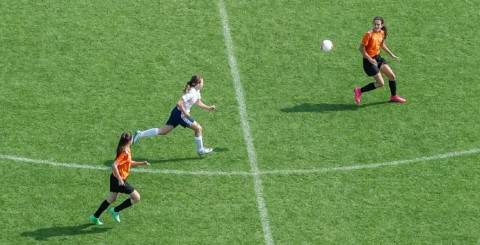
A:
x: 326, y: 107
x: 63, y: 231
x: 157, y: 161
x: 171, y: 160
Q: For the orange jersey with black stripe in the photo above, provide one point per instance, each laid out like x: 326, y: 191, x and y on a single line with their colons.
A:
x: 372, y: 41
x: 124, y: 161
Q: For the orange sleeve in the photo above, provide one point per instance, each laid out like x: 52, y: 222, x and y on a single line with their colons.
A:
x: 366, y: 39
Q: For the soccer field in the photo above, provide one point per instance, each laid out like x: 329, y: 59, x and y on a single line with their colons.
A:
x: 296, y: 161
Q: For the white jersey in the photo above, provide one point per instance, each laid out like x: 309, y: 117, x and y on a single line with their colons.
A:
x: 190, y: 98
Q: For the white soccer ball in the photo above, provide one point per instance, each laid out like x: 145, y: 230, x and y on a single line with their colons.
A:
x: 326, y: 45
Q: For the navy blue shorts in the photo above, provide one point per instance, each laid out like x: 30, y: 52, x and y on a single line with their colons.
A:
x: 114, y: 187
x: 176, y: 118
x: 370, y: 68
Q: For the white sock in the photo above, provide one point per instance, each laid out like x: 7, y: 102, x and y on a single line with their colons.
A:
x: 199, y: 143
x: 149, y: 132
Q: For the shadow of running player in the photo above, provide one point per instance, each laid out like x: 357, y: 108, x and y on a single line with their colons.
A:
x: 326, y: 107
x: 44, y: 234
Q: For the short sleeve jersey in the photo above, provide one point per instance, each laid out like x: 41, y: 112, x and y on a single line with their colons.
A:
x: 124, y: 161
x: 190, y: 98
x: 372, y: 41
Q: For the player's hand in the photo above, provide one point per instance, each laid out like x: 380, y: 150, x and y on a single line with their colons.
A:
x: 146, y: 163
x: 396, y: 58
x: 213, y: 107
x: 121, y: 183
x: 374, y: 62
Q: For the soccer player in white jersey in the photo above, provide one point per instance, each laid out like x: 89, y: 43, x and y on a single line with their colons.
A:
x: 180, y: 115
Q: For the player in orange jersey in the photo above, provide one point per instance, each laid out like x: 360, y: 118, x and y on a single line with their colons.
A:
x: 374, y: 64
x: 118, y: 181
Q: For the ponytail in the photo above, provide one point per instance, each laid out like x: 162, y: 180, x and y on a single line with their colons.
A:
x: 384, y: 28
x: 124, y: 140
x: 196, y: 79
x: 185, y: 90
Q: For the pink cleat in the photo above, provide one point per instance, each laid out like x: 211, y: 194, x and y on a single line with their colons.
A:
x: 358, y: 94
x: 396, y: 98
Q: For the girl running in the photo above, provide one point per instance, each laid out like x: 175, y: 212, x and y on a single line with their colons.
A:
x: 374, y: 64
x: 180, y: 115
x: 118, y: 181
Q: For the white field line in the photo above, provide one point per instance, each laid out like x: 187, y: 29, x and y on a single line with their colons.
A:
x: 236, y: 173
x: 373, y: 165
x: 137, y: 169
x: 252, y: 156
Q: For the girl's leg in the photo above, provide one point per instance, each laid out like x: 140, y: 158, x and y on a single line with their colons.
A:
x: 134, y: 198
x: 392, y: 83
x: 369, y: 87
x: 113, y: 197
x: 152, y: 132
x: 104, y: 205
x: 378, y: 80
x: 197, y: 128
x: 385, y: 69
x: 165, y: 130
x: 198, y: 139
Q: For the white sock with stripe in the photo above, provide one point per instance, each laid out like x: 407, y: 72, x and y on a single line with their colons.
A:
x: 149, y: 132
x: 199, y: 143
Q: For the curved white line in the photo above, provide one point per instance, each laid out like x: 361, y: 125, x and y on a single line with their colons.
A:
x: 234, y: 173
x: 373, y: 165
x: 145, y: 170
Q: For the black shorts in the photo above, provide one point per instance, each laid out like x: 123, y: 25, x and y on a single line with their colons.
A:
x: 114, y: 187
x: 371, y: 69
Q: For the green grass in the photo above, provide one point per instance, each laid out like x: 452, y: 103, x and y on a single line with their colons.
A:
x: 75, y: 75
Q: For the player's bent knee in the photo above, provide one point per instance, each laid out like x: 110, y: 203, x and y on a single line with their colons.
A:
x: 135, y: 199
x: 198, y: 128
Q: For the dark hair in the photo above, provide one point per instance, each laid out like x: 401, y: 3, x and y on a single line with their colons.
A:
x: 384, y: 28
x: 124, y: 140
x: 196, y: 79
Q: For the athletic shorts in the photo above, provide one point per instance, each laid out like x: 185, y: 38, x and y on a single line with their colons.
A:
x: 177, y: 117
x: 370, y: 68
x: 114, y: 187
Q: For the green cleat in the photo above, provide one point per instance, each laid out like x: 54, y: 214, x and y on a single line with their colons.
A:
x: 95, y: 220
x: 116, y: 215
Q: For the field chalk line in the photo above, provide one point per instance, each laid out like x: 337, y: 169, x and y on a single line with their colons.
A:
x: 252, y: 156
x: 237, y: 173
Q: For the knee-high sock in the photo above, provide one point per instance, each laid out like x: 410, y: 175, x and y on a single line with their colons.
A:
x: 393, y: 87
x: 102, y: 208
x: 149, y: 132
x: 125, y: 204
x: 199, y: 143
x: 368, y: 87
